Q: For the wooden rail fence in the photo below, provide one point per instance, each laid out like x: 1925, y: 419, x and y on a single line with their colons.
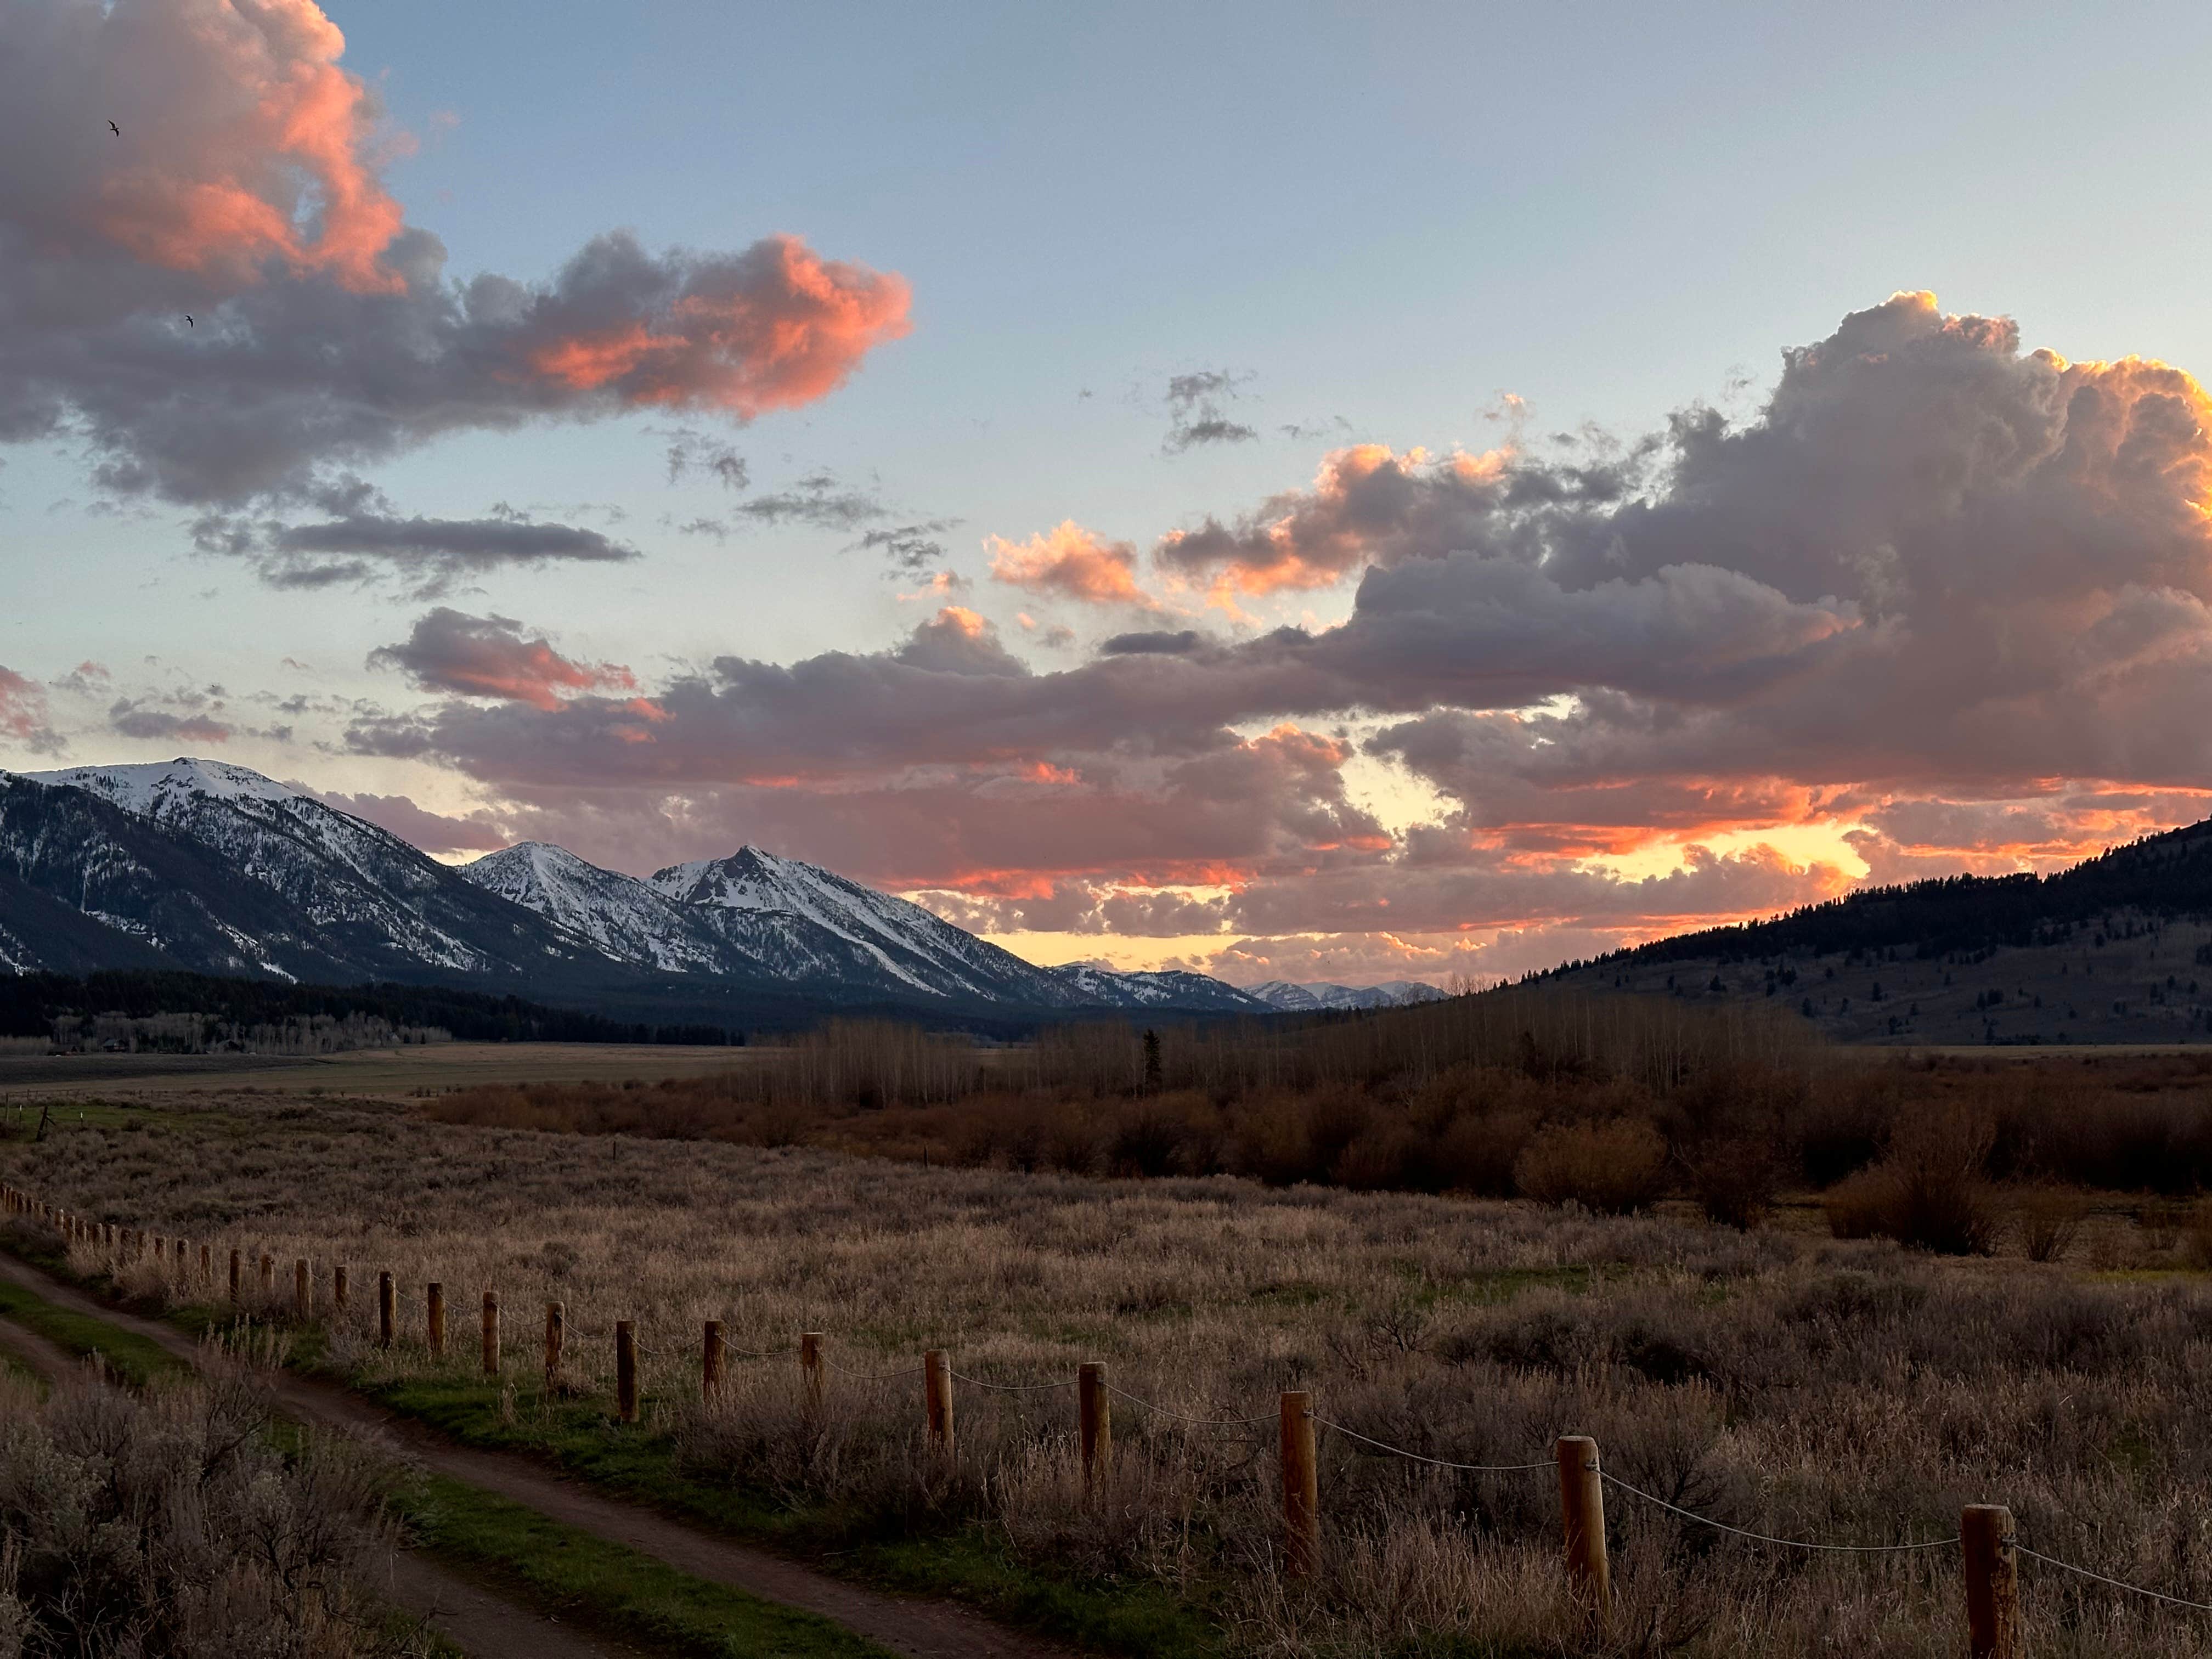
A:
x: 1989, y: 1547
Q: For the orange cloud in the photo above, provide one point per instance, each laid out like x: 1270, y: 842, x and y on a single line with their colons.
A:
x: 208, y: 179
x: 1368, y: 503
x: 1073, y: 563
x: 775, y: 328
x: 490, y: 656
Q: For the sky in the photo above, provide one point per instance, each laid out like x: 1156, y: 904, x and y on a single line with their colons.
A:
x: 1293, y: 491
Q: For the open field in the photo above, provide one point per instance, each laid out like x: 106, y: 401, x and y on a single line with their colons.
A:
x: 1793, y: 1384
x: 374, y: 1073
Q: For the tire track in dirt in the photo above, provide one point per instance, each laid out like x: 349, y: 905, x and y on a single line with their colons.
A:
x: 481, y: 1625
x: 909, y: 1625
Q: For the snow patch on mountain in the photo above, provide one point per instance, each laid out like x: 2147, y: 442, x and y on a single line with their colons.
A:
x: 1291, y: 997
x: 1157, y: 988
x: 627, y: 918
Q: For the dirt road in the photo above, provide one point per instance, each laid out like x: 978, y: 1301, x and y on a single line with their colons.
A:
x: 479, y: 1623
x: 909, y: 1625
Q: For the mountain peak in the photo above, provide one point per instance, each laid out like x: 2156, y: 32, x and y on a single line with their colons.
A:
x: 143, y: 786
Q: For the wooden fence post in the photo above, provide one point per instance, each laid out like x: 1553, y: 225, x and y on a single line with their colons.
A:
x: 268, y: 1277
x: 338, y: 1287
x: 710, y: 1363
x: 233, y: 1278
x: 180, y: 1245
x: 207, y: 1264
x: 810, y: 1364
x: 1094, y: 1421
x: 626, y: 1370
x: 1992, y: 1573
x: 1301, y: 1487
x: 433, y: 1318
x: 555, y: 1333
x: 303, y: 1291
x: 387, y: 1310
x: 937, y: 1400
x: 491, y: 1332
x: 160, y: 1255
x: 1582, y: 1512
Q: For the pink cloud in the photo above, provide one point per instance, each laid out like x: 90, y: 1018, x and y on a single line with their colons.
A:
x: 23, y: 707
x: 490, y: 656
x: 778, y: 327
x: 1068, y: 562
x: 1954, y: 592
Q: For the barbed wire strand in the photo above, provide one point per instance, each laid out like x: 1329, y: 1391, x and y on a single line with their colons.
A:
x: 1763, y: 1538
x: 873, y: 1377
x: 1473, y: 1468
x: 1202, y: 1422
x: 1010, y: 1387
x: 2132, y: 1589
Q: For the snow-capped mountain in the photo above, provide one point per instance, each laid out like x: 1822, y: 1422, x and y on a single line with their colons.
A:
x: 1159, y: 988
x: 196, y: 864
x: 202, y: 865
x: 803, y: 923
x: 622, y: 916
x: 754, y: 912
x: 1286, y: 997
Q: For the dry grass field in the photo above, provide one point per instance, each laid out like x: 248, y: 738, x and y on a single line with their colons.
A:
x: 396, y: 1073
x: 1781, y: 1381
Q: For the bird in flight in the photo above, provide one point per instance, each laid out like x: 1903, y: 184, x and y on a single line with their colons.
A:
x: 117, y: 130
x: 189, y: 323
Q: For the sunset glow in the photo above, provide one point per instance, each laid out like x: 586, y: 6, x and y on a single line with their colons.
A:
x: 1282, y: 568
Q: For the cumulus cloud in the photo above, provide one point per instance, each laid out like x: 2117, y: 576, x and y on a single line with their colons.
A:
x: 1367, y: 505
x: 244, y: 191
x: 491, y: 657
x: 1950, y: 593
x: 1070, y: 563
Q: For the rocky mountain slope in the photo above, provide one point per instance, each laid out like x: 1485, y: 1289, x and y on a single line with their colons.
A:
x: 197, y: 864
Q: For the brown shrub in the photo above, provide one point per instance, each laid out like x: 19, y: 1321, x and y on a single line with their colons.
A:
x: 1611, y: 1168
x: 2161, y: 1220
x: 1928, y: 1191
x: 2049, y: 1216
x: 1477, y: 1154
x: 1735, y: 1179
x: 2197, y: 1237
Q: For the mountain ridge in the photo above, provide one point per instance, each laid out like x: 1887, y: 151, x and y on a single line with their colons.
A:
x: 208, y: 867
x: 2117, y: 948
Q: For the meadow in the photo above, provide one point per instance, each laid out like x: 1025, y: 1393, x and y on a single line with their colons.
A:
x: 1776, y: 1378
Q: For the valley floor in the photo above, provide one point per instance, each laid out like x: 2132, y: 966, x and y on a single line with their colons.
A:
x: 1780, y: 1381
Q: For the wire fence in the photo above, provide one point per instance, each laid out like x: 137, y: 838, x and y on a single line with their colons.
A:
x: 1988, y: 1537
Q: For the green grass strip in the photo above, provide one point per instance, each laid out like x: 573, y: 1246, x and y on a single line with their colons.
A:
x: 969, y: 1561
x: 611, y: 1588
x: 137, y: 1360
